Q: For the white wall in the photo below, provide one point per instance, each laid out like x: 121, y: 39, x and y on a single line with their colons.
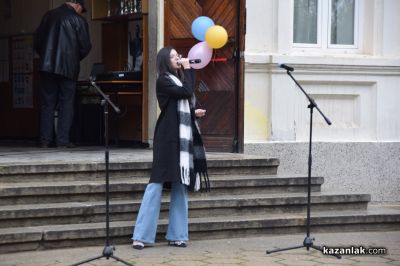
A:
x: 358, y: 89
x: 391, y: 28
x: 361, y: 102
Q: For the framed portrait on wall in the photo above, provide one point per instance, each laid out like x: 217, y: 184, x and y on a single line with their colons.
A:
x: 135, y: 46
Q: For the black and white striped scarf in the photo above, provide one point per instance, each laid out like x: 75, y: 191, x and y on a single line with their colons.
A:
x: 192, y: 157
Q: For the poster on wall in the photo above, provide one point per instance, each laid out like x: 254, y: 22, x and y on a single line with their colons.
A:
x: 22, y: 70
x: 22, y: 91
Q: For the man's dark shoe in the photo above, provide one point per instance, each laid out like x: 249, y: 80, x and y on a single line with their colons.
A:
x: 45, y: 145
x: 66, y: 146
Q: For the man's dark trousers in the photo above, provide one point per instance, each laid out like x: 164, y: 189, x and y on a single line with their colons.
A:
x: 57, y: 91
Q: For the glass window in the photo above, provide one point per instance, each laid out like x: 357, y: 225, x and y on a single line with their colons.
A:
x: 342, y: 22
x: 305, y: 21
x: 326, y: 24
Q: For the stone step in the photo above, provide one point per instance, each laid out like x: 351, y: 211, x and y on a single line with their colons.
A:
x: 217, y: 205
x: 84, y: 169
x: 57, y: 236
x: 132, y: 188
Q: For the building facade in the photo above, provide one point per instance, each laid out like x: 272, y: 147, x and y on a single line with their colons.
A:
x: 346, y: 55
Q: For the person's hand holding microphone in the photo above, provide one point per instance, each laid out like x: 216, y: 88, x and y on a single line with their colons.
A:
x: 184, y: 62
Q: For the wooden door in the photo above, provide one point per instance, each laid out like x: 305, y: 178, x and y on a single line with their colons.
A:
x: 220, y: 84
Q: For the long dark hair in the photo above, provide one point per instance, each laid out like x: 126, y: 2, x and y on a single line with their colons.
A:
x: 164, y: 63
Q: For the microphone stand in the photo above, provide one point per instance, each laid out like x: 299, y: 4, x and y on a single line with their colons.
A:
x: 108, y: 251
x: 308, y: 241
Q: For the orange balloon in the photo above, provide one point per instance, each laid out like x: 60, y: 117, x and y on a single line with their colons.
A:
x: 216, y: 36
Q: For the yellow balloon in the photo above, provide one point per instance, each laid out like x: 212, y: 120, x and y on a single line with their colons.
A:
x: 216, y: 36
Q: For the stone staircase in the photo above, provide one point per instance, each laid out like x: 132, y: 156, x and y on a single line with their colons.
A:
x: 52, y: 204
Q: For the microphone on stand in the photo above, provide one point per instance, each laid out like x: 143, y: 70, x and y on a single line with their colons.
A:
x: 288, y: 68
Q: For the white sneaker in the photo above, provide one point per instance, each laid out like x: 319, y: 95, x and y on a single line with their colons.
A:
x: 177, y: 243
x: 137, y: 245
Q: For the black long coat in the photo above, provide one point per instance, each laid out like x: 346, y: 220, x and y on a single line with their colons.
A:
x: 166, y: 135
x: 62, y: 40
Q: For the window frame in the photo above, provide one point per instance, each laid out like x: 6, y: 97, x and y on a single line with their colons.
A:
x: 324, y: 32
x: 355, y: 33
x: 319, y: 31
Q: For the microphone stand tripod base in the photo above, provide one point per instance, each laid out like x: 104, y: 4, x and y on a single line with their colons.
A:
x: 108, y: 251
x: 307, y: 243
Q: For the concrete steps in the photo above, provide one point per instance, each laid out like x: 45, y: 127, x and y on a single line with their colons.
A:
x: 59, y: 201
x: 13, y: 193
x: 217, y: 205
x: 54, y: 171
x: 57, y: 236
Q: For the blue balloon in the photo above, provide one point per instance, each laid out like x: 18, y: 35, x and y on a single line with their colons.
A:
x: 200, y: 26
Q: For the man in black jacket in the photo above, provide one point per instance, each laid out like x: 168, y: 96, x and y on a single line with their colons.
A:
x: 62, y: 40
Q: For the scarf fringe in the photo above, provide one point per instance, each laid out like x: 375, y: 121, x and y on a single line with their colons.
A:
x: 185, y: 176
x: 204, y: 182
x: 200, y: 168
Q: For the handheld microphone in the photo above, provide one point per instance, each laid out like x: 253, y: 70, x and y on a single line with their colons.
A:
x: 194, y: 61
x: 288, y: 68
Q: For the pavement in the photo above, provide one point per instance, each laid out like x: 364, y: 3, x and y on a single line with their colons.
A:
x: 236, y: 251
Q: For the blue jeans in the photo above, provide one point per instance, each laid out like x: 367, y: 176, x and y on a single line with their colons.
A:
x: 146, y: 223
